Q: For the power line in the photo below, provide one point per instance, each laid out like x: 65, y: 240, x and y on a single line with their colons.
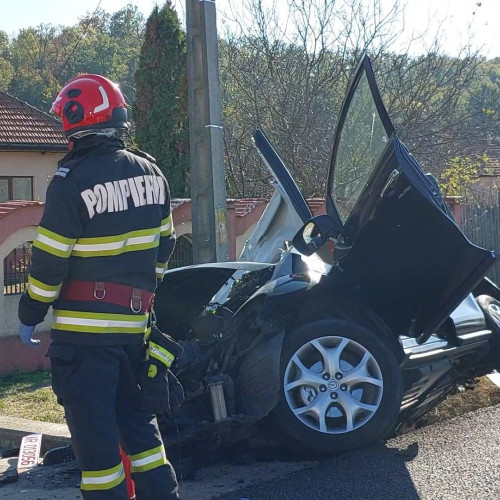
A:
x: 79, y: 39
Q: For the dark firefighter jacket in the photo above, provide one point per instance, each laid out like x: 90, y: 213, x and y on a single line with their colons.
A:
x: 107, y: 219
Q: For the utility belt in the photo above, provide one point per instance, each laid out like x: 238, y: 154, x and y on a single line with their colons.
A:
x: 160, y: 389
x: 138, y: 300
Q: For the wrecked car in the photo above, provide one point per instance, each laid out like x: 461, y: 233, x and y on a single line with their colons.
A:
x: 336, y: 330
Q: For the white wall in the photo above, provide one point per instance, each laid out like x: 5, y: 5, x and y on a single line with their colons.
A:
x: 40, y: 166
x: 183, y: 228
x: 242, y: 239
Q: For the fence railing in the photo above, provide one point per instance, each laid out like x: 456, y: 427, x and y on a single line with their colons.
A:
x: 182, y: 254
x: 16, y: 267
x: 481, y: 224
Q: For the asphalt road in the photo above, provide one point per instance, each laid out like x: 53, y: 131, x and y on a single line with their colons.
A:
x: 458, y: 459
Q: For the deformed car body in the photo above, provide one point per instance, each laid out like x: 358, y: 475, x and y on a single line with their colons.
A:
x: 376, y: 312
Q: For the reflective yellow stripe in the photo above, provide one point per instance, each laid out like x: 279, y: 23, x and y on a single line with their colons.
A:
x: 102, y: 479
x: 166, y: 226
x: 161, y: 354
x: 160, y: 269
x: 53, y: 243
x: 116, y: 245
x: 42, y: 292
x: 148, y: 460
x: 76, y: 321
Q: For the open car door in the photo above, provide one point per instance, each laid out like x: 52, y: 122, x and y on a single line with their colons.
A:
x: 397, y: 248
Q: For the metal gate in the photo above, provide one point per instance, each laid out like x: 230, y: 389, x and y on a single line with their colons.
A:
x: 182, y: 255
x: 16, y: 267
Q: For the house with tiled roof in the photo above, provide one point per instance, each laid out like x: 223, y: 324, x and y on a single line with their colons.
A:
x: 31, y: 143
x: 487, y: 153
x: 488, y: 184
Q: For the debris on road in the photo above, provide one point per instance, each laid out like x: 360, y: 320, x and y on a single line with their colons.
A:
x: 59, y: 455
x: 29, y: 453
x: 8, y: 471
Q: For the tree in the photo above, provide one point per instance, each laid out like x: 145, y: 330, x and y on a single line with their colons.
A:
x: 483, y: 100
x: 425, y: 96
x: 105, y: 44
x: 6, y: 70
x: 160, y: 109
x: 126, y: 28
x: 39, y: 61
x: 287, y: 71
x: 31, y: 58
x: 460, y: 175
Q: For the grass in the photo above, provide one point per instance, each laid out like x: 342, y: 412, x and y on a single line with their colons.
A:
x: 29, y: 395
x: 484, y: 394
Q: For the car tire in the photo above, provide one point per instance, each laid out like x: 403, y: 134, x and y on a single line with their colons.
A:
x: 328, y: 413
x: 491, y: 309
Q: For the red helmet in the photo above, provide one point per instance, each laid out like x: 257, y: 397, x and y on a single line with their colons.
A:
x: 90, y: 102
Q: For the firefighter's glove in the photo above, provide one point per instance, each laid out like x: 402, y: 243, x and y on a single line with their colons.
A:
x: 161, y: 391
x: 26, y: 332
x: 162, y: 350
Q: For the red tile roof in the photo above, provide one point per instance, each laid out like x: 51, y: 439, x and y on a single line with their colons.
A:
x: 316, y: 205
x: 23, y: 127
x: 491, y: 168
x: 16, y: 215
x: 7, y: 207
x: 177, y: 202
x: 490, y: 148
x: 244, y: 206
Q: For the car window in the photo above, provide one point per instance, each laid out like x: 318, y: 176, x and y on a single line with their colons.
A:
x: 362, y: 141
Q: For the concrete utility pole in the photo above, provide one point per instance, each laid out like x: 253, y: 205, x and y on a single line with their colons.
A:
x: 208, y: 184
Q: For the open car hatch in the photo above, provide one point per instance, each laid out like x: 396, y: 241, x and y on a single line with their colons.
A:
x: 398, y: 250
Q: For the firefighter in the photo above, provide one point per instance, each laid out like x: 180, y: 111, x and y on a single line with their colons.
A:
x: 104, y: 239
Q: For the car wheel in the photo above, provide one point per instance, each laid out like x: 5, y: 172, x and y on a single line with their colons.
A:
x: 491, y: 310
x: 341, y: 387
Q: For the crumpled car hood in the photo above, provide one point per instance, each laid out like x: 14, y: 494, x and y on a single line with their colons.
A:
x: 186, y: 291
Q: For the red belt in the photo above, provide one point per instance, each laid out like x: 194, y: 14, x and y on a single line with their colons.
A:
x: 98, y: 291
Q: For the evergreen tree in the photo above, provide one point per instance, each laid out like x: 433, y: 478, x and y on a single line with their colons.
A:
x: 6, y: 69
x: 160, y: 109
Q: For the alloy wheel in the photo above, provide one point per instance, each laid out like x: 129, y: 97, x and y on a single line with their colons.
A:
x: 333, y: 384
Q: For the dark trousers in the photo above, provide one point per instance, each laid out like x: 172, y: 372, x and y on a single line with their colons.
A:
x: 98, y: 387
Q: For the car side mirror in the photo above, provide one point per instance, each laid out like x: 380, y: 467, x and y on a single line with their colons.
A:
x: 313, y: 234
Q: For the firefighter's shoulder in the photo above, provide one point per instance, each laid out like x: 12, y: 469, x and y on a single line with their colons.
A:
x: 65, y: 168
x: 142, y: 154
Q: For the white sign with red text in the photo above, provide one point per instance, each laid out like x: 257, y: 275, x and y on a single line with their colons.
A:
x: 29, y: 453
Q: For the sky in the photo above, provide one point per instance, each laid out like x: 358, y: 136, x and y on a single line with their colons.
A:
x: 455, y: 19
